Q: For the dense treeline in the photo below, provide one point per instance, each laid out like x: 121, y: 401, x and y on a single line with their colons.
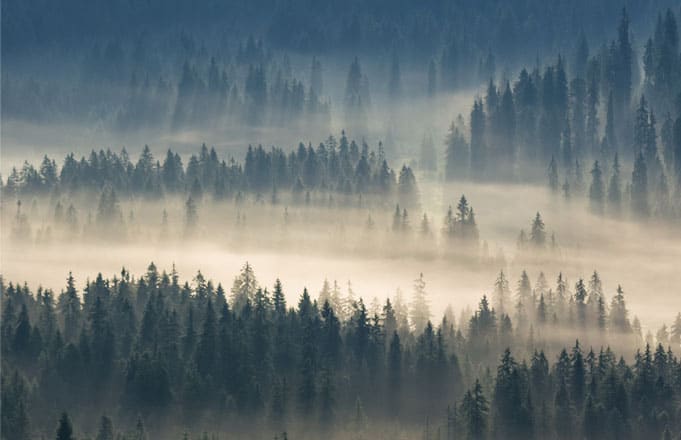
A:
x: 252, y: 88
x: 154, y: 354
x: 168, y: 71
x: 579, y: 117
x: 527, y: 26
x: 334, y: 166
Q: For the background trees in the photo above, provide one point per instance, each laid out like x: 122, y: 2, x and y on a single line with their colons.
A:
x: 335, y: 166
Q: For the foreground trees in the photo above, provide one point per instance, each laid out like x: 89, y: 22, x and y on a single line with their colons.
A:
x: 150, y: 354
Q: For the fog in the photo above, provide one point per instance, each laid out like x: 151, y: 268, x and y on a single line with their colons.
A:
x: 29, y: 141
x: 342, y: 220
x: 304, y: 245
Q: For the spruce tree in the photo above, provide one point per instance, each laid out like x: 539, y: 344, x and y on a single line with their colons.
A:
x: 65, y: 430
x: 614, y: 189
x: 538, y: 233
x: 596, y: 189
x: 420, y: 309
x: 639, y: 188
x: 474, y: 410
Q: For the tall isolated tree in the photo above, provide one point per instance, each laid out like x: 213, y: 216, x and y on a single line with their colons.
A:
x: 244, y: 288
x: 420, y: 308
x: 538, y: 232
x: 619, y: 319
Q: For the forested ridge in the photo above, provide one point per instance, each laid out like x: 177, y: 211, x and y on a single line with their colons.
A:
x: 339, y: 166
x: 332, y: 26
x: 586, y: 114
x: 172, y: 65
x: 155, y: 357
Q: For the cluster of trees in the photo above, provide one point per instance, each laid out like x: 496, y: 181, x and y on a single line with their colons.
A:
x: 334, y: 166
x: 251, y: 87
x: 661, y: 63
x: 537, y: 240
x: 298, y: 26
x: 555, y: 117
x: 459, y: 229
x: 269, y: 95
x: 154, y: 354
x: 160, y: 64
x: 649, y: 192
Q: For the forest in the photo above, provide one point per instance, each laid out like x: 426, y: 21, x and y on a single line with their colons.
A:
x: 161, y: 355
x: 465, y: 219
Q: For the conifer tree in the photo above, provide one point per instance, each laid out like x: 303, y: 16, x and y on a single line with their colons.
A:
x: 538, y: 233
x: 474, y: 410
x: 105, y: 431
x: 614, y: 189
x: 597, y: 189
x: 420, y: 308
x: 553, y: 175
x: 65, y: 430
x: 639, y: 188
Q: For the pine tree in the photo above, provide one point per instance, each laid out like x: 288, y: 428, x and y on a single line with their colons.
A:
x: 639, y: 188
x: 14, y: 417
x: 580, y: 302
x: 70, y: 310
x: 675, y: 337
x: 207, y: 345
x: 425, y: 227
x: 327, y: 400
x: 623, y: 70
x: 407, y: 190
x: 356, y: 96
x: 553, y: 175
x: 502, y: 294
x: 614, y: 189
x: 537, y: 233
x: 478, y: 144
x: 190, y: 215
x: 641, y: 127
x: 597, y: 189
x: 474, y: 410
x: 65, y: 430
x: 243, y: 288
x: 394, y: 374
x: 420, y: 309
x: 316, y: 77
x: 563, y: 412
x: 457, y: 154
x: 609, y: 145
x: 105, y: 431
